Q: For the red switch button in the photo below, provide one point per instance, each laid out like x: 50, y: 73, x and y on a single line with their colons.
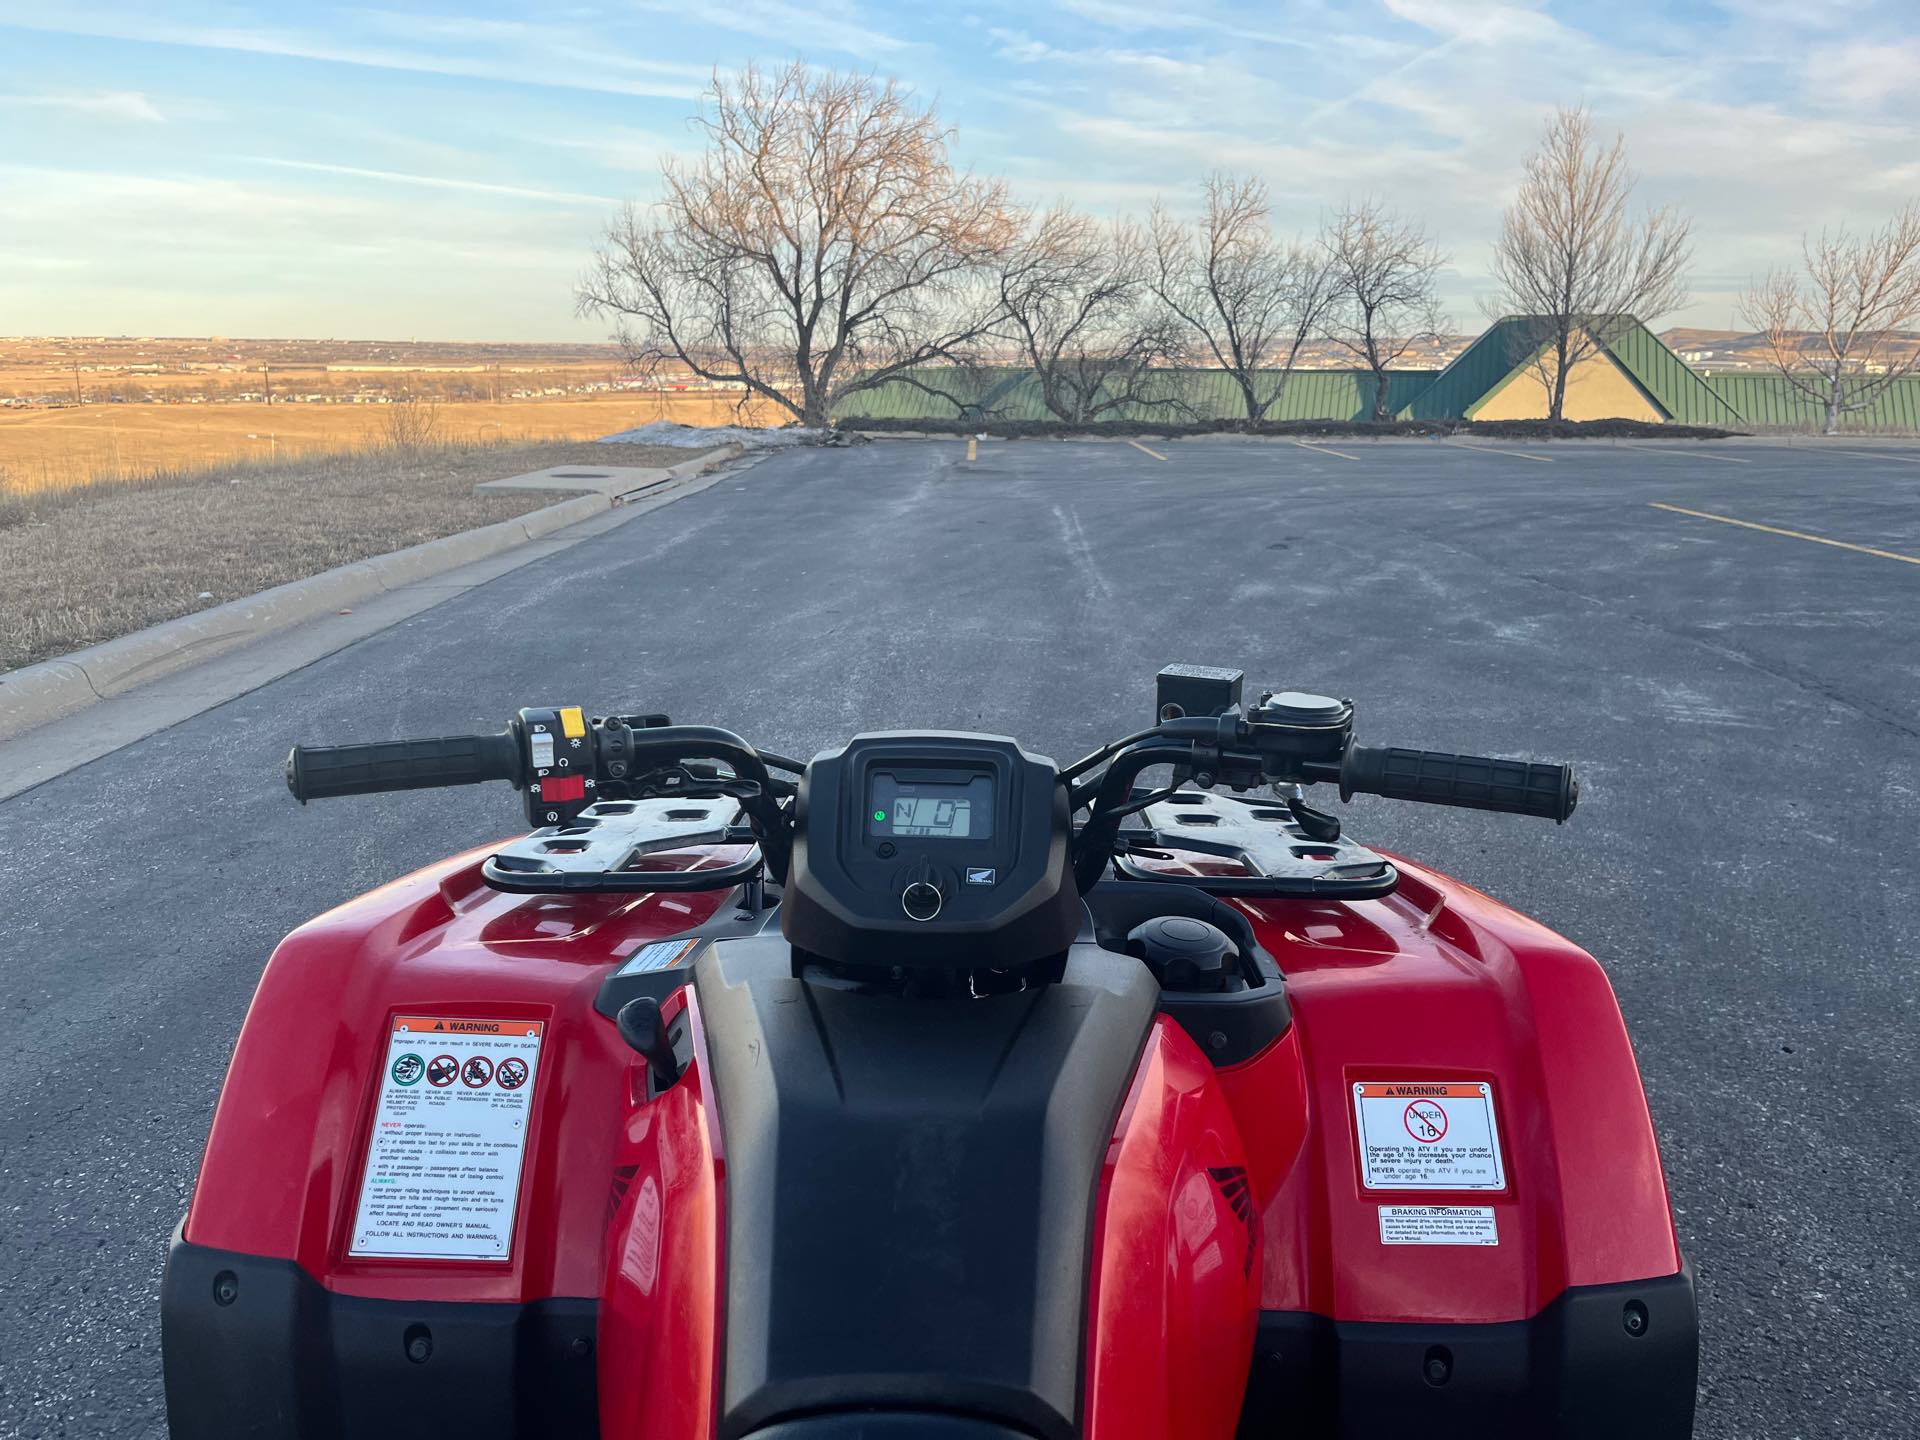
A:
x: 556, y: 788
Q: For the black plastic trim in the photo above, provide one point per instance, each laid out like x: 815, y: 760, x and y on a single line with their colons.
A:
x: 738, y: 917
x: 888, y: 1425
x: 1229, y: 1026
x: 1575, y: 1371
x: 911, y: 1184
x: 255, y: 1346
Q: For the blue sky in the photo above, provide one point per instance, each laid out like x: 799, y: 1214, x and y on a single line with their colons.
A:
x: 440, y: 171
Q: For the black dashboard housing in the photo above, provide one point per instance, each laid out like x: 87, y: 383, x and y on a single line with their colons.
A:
x: 1007, y: 895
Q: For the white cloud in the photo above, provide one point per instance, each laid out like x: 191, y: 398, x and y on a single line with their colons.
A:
x: 127, y: 105
x: 434, y: 182
x: 192, y: 253
x: 581, y: 67
x: 836, y: 25
x: 1864, y: 74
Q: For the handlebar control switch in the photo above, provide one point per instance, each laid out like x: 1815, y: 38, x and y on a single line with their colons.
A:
x: 562, y: 768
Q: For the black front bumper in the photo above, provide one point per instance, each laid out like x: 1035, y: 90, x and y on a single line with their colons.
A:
x: 257, y: 1347
x: 1599, y: 1363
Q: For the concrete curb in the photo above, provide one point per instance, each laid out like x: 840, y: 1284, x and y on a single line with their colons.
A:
x: 52, y: 689
x: 733, y: 450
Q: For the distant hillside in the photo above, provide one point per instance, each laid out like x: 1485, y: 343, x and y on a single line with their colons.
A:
x: 1720, y: 350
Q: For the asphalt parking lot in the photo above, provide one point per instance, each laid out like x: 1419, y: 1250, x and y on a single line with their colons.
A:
x: 1741, y: 703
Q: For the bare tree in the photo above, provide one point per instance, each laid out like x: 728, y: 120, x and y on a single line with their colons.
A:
x: 1572, y: 263
x: 1383, y: 274
x: 411, y: 423
x: 1834, y: 331
x: 1078, y: 299
x: 822, y: 244
x: 1251, y: 301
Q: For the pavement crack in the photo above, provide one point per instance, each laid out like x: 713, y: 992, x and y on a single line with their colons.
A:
x: 1809, y: 683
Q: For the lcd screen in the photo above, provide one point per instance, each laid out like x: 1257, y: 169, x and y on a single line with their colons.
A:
x: 930, y: 809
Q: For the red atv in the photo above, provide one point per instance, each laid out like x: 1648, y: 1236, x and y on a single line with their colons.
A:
x: 890, y: 1100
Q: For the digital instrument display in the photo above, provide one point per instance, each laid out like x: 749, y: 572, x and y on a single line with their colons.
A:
x: 931, y: 809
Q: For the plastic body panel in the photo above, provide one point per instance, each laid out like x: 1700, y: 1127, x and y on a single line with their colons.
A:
x: 1436, y: 981
x: 283, y: 1163
x: 1439, y: 981
x: 660, y: 1310
x: 1175, y: 1272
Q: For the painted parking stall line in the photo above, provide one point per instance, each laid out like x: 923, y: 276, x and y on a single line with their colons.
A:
x: 1427, y: 1135
x: 1878, y: 455
x: 1790, y: 534
x: 442, y: 1174
x: 1324, y: 450
x: 1686, y: 454
x: 1509, y: 454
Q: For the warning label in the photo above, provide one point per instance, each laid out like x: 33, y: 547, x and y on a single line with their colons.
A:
x: 661, y: 955
x: 443, y: 1167
x: 1427, y: 1135
x: 1438, y: 1225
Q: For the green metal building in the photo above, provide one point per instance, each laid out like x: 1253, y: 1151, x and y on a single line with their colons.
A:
x: 1631, y: 374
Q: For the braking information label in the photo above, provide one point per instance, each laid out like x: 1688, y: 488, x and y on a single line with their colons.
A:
x: 1427, y: 1135
x: 1438, y: 1225
x: 442, y: 1180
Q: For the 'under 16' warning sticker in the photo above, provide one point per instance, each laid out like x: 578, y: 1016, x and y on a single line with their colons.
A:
x: 442, y: 1180
x: 1427, y: 1135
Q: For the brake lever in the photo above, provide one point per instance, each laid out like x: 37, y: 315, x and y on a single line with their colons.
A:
x: 1317, y: 824
x: 685, y: 780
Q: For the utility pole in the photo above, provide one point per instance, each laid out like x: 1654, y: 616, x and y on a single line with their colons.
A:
x: 76, y: 384
x: 266, y: 375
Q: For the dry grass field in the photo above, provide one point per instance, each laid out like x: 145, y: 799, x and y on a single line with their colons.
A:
x: 58, y: 449
x: 80, y: 567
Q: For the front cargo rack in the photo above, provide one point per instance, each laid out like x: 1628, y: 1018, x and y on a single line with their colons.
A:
x: 632, y: 847
x: 1248, y: 846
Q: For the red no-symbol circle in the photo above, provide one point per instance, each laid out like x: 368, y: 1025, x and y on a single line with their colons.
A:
x: 441, y: 1070
x: 1425, y: 1121
x: 476, y: 1072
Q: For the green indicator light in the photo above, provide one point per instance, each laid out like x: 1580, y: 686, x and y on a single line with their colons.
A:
x: 879, y: 817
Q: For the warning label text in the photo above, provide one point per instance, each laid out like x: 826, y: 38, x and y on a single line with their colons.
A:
x: 1427, y: 1135
x: 442, y: 1179
x: 1438, y: 1225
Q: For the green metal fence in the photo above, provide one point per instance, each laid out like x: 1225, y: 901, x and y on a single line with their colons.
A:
x: 1773, y: 402
x: 1731, y: 401
x: 1014, y: 394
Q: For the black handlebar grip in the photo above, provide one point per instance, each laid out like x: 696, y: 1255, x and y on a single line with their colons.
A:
x: 316, y: 772
x: 1474, y: 782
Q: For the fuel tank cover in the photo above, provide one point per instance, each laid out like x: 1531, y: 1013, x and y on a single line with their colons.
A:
x: 1184, y: 953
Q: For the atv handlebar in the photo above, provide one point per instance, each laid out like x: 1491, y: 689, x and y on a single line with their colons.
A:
x: 319, y: 772
x: 563, y: 763
x: 1473, y: 782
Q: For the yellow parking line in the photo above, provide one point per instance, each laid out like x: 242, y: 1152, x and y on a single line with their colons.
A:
x: 973, y: 447
x: 1323, y: 450
x: 1791, y: 534
x: 1511, y: 454
x: 1689, y: 454
x: 1145, y: 451
x: 1878, y: 455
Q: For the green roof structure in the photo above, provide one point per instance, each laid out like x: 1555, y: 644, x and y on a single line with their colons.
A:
x: 1509, y: 347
